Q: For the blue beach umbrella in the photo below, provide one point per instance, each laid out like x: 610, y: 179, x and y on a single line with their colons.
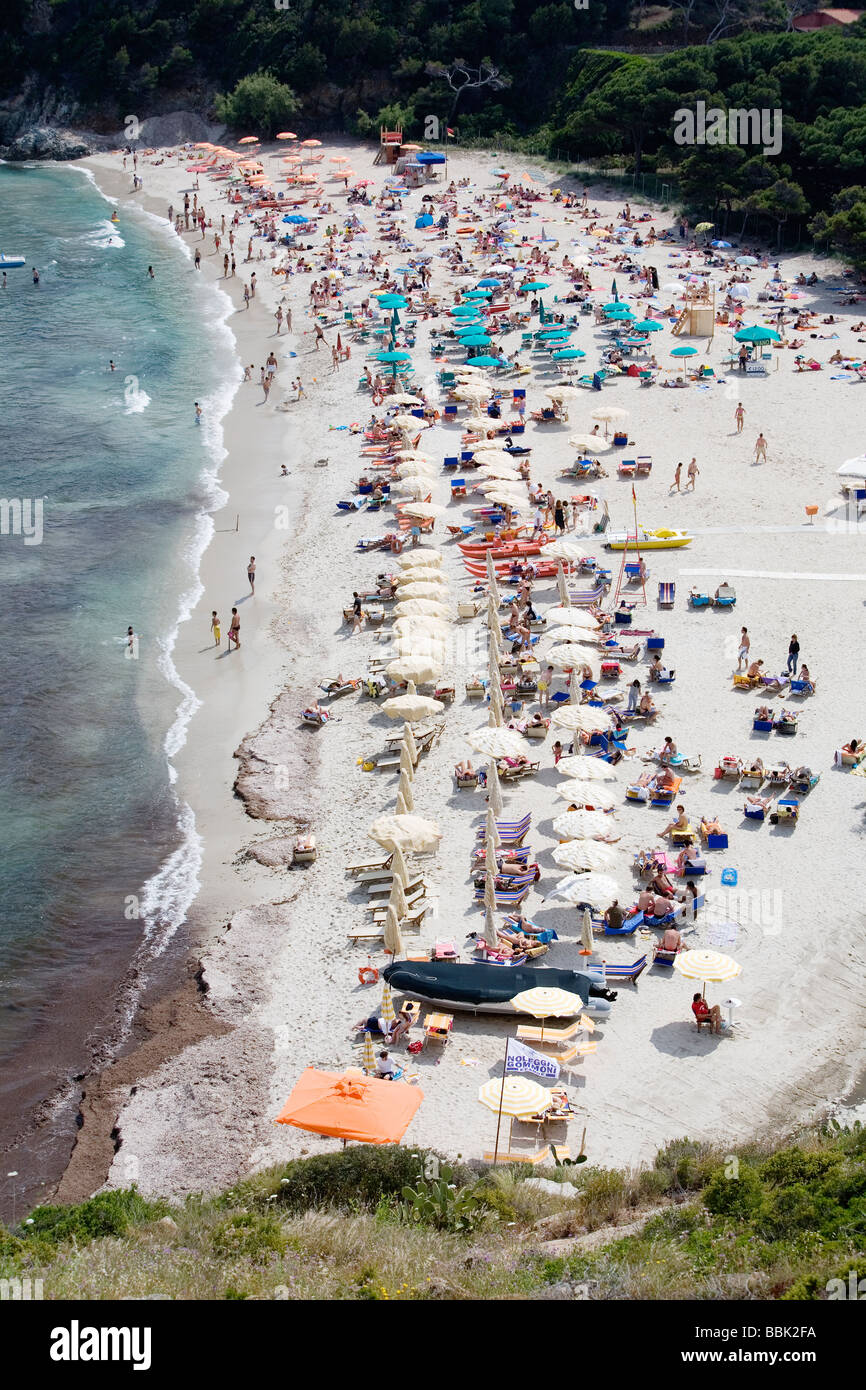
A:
x: 425, y: 220
x: 295, y: 217
x: 554, y: 332
x: 721, y: 245
x: 478, y: 294
x: 486, y: 361
x: 457, y: 309
x: 489, y: 284
x: 757, y: 334
x: 481, y: 341
x: 568, y: 355
x: 684, y: 352
x: 534, y: 285
x: 618, y: 313
x: 646, y: 326
x: 393, y: 301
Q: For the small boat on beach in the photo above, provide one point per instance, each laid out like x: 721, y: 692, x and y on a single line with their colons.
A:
x: 504, y: 550
x: 11, y: 262
x: 661, y: 539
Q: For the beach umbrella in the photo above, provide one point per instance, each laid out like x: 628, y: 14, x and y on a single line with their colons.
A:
x: 533, y: 286
x: 618, y: 311
x: 423, y: 509
x: 710, y: 967
x: 567, y: 656
x: 587, y: 947
x: 487, y: 362
x: 757, y: 334
x: 589, y: 443
x: 491, y: 831
x: 586, y: 888
x: 397, y: 899
x: 561, y: 583
x: 512, y: 1096
x: 386, y: 1008
x: 400, y: 807
x: 414, y: 468
x: 565, y: 549
x: 572, y: 616
x: 569, y: 354
x: 404, y: 789
x: 420, y: 669
x: 421, y: 555
x: 411, y: 707
x: 582, y: 856
x: 563, y: 393
x: 392, y: 940
x: 310, y: 144
x: 704, y: 227
x: 504, y: 471
x: 423, y: 627
x: 369, y: 1110
x: 421, y: 607
x: 611, y: 414
x: 423, y: 589
x: 395, y: 356
x: 497, y: 743
x: 546, y: 1001
x: 472, y: 392
x: 411, y: 748
x: 721, y: 245
x: 582, y: 718
x: 406, y: 763
x: 368, y: 1056
x: 249, y: 140
x: 583, y: 825
x: 646, y: 326
x: 494, y: 788
x: 475, y: 340
x: 588, y: 769
x: 594, y: 794
x: 684, y: 352
x: 746, y: 260
x: 489, y: 934
x: 409, y: 422
x: 403, y: 398
x: 853, y: 468
x: 414, y: 487
x: 409, y: 832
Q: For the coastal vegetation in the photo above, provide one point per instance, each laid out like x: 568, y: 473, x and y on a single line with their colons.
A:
x: 374, y: 1223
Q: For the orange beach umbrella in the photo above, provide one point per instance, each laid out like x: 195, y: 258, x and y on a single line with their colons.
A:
x: 309, y: 144
x: 249, y: 140
x: 287, y: 135
x: 351, y: 1106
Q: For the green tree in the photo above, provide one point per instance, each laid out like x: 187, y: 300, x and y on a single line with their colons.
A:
x: 845, y: 225
x: 258, y: 101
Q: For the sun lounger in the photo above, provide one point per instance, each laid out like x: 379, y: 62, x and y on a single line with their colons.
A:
x: 725, y: 597
x: 541, y: 1156
x: 683, y: 837
x: 762, y: 726
x: 631, y: 972
x: 662, y: 957
x: 801, y: 688
x: 699, y: 600
x: 530, y: 1032
x: 787, y: 812
x: 663, y: 796
x: 786, y: 723
x: 667, y: 594
x: 803, y: 780
x: 510, y: 832
x: 727, y: 767
x: 369, y: 865
x: 744, y: 682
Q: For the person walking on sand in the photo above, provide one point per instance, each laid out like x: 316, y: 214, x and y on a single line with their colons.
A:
x: 253, y: 285
x: 246, y: 296
x: 743, y: 653
x: 226, y: 266
x: 251, y: 573
x: 357, y: 612
x: 739, y: 416
x: 743, y: 357
x: 234, y: 265
x: 279, y: 318
x: 760, y: 449
x: 215, y: 628
x: 320, y: 337
x: 288, y: 320
x: 235, y: 629
x: 793, y: 654
x: 693, y: 474
x: 271, y: 366
x: 677, y: 476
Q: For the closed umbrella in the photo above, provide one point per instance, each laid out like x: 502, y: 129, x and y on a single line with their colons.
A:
x: 409, y: 744
x: 587, y: 943
x: 409, y: 832
x: 584, y: 856
x: 583, y: 825
x: 405, y: 790
x: 425, y: 588
x: 490, y: 886
x: 418, y: 607
x: 561, y: 584
x: 406, y: 763
x: 368, y: 1056
x: 491, y: 830
x: 386, y: 1008
x: 490, y: 937
x: 400, y: 806
x: 397, y: 899
x: 494, y: 788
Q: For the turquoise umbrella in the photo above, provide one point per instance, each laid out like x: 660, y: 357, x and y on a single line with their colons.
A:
x: 486, y: 361
x: 393, y: 357
x: 568, y: 355
x: 535, y: 285
x: 646, y: 326
x: 684, y: 352
x: 618, y: 313
x: 758, y: 334
x: 554, y: 332
x: 491, y: 283
x: 616, y: 304
x: 479, y: 294
x: 614, y: 291
x: 481, y: 340
x: 393, y: 301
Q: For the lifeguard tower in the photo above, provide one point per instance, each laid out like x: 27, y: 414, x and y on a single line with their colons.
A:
x: 390, y: 142
x: 697, y: 317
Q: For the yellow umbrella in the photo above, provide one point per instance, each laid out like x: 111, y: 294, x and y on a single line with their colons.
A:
x: 710, y: 967
x: 547, y: 1002
x: 386, y: 1008
x: 368, y: 1056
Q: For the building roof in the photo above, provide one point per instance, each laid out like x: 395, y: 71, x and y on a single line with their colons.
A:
x: 822, y: 19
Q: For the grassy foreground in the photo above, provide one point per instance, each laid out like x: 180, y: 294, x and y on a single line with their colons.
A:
x: 365, y: 1224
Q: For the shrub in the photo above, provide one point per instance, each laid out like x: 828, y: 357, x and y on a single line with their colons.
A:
x: 738, y: 1197
x: 792, y: 1165
x: 108, y: 1214
x: 259, y: 101
x: 249, y: 1236
x: 437, y: 1202
x: 359, y: 1175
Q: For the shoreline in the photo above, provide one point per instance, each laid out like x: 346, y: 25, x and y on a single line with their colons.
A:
x: 235, y: 1047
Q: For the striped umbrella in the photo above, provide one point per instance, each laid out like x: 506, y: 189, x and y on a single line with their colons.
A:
x: 545, y: 1001
x: 710, y: 967
x: 368, y: 1056
x: 519, y: 1095
x: 386, y: 1008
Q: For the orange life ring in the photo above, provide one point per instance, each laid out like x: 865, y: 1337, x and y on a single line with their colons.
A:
x: 368, y: 975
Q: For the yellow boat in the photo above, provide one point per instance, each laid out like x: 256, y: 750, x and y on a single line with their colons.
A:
x: 661, y: 539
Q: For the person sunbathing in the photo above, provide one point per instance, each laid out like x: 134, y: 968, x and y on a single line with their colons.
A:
x: 646, y: 705
x: 763, y: 712
x: 662, y: 907
x: 667, y: 751
x: 806, y: 676
x: 710, y: 826
x: 671, y: 940
x: 464, y: 769
x: 317, y: 712
x: 756, y: 766
x: 664, y: 781
x: 661, y: 884
x: 655, y: 666
x: 691, y: 856
x: 679, y: 823
x: 855, y: 746
x: 754, y: 671
x: 335, y: 684
x: 765, y: 802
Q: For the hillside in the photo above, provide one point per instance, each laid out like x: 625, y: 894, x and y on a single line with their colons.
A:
x: 759, y: 1223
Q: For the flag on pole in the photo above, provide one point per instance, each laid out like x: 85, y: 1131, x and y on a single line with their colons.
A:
x: 449, y: 131
x: 633, y: 495
x: 521, y: 1058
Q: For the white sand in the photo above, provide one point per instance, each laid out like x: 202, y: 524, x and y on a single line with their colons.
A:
x: 284, y: 975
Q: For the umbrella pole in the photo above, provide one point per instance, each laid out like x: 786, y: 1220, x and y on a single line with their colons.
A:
x: 501, y: 1098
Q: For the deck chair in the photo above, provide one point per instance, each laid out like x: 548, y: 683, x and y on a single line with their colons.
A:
x: 801, y: 688
x: 667, y: 593
x: 631, y: 972
x: 541, y: 1156
x: 382, y: 862
x: 725, y: 597
x: 699, y: 600
x: 762, y: 726
x: 458, y: 487
x: 627, y: 468
x: 644, y: 464
x: 661, y: 957
x: 530, y: 1032
x: 581, y: 1049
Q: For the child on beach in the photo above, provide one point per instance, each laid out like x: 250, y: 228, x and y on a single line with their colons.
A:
x: 215, y: 628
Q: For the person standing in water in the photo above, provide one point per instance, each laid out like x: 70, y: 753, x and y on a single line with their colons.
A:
x: 198, y: 413
x: 251, y: 573
x: 150, y: 272
x: 35, y: 276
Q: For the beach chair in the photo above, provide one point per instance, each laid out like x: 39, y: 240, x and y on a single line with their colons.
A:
x: 667, y: 593
x: 803, y: 780
x: 469, y: 608
x: 510, y: 832
x: 787, y: 722
x: 631, y: 972
x: 698, y: 599
x: 305, y: 851
x: 653, y: 643
x: 627, y: 468
x: 562, y: 1152
x: 757, y: 810
x: 843, y: 758
x: 458, y: 487
x: 762, y: 726
x: 662, y: 957
x: 530, y: 1032
x: 726, y: 597
x: 437, y: 1027
x: 715, y: 841
x: 681, y: 838
x: 644, y: 465
x: 664, y: 796
x: 370, y: 865
x: 467, y: 781
x: 744, y: 682
x: 628, y: 928
x: 801, y: 688
x: 787, y: 811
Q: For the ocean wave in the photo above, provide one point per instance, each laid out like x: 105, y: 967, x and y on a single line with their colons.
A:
x: 135, y: 402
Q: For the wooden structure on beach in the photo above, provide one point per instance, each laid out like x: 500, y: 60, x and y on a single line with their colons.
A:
x: 390, y: 142
x: 697, y: 318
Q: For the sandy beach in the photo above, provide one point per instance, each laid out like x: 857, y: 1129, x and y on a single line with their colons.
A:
x: 278, y: 985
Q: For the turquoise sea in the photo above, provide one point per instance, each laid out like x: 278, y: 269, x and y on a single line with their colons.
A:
x: 99, y: 859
